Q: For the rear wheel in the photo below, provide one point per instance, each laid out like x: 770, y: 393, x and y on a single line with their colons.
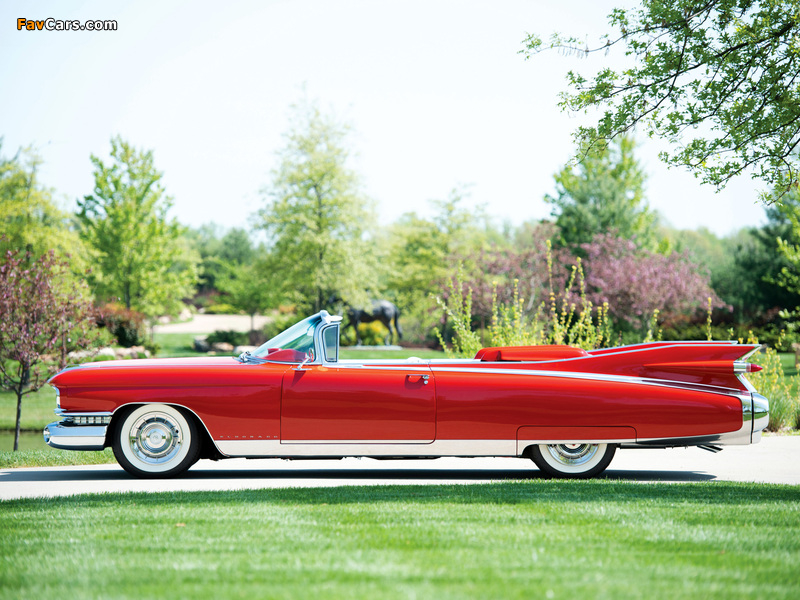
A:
x: 573, y: 461
x: 156, y: 441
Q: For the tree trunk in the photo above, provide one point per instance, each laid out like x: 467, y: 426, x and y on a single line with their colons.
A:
x: 253, y: 322
x: 19, y: 415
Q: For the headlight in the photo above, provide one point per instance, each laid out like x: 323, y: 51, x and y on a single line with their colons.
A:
x: 58, y: 398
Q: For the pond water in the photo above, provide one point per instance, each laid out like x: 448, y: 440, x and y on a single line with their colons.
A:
x: 28, y: 440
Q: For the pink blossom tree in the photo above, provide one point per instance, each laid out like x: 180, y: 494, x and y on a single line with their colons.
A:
x: 635, y: 282
x: 41, y: 319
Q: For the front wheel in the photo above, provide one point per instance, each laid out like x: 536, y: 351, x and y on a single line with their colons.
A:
x: 156, y: 440
x: 573, y: 461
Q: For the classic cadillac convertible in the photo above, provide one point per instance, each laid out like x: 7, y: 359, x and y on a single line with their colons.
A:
x: 565, y: 408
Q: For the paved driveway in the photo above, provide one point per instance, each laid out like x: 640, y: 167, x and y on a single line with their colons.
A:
x: 775, y: 460
x: 201, y: 324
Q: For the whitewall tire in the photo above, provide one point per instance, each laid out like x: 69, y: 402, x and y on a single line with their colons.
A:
x: 573, y: 461
x: 156, y: 440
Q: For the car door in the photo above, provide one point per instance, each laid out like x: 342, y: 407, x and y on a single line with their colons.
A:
x: 357, y: 404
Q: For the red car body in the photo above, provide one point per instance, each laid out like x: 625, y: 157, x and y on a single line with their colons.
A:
x: 566, y: 408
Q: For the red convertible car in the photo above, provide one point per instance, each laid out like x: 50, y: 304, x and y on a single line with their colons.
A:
x: 565, y: 408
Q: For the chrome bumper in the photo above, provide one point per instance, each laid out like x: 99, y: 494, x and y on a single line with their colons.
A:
x: 755, y: 418
x: 84, y: 431
x: 760, y: 416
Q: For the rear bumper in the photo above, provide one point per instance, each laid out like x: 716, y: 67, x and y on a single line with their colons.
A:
x: 84, y: 431
x: 760, y: 415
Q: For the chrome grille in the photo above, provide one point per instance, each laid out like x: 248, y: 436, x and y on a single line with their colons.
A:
x: 86, y: 420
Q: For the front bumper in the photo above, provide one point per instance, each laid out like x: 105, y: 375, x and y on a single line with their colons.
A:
x: 78, y: 431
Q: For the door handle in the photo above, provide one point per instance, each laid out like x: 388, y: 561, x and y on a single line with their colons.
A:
x: 422, y: 376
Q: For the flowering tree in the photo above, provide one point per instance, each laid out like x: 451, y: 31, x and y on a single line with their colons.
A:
x: 38, y: 316
x: 636, y: 282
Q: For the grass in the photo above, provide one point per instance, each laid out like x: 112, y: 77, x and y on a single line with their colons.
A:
x: 352, y: 352
x: 527, y: 539
x: 787, y: 363
x: 37, y: 409
x: 50, y: 457
x: 176, y: 344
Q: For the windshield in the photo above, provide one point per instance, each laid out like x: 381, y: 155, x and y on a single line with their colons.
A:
x: 299, y: 337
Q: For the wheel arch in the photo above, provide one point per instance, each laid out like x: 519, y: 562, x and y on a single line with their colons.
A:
x: 208, y: 449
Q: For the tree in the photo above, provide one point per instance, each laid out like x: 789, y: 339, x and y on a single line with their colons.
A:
x: 29, y: 216
x: 141, y: 257
x: 636, y: 282
x: 316, y: 217
x: 719, y: 79
x: 605, y: 192
x: 39, y: 314
x: 785, y: 218
x: 218, y: 252
x: 248, y: 287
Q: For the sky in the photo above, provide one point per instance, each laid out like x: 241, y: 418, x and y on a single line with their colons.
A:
x: 436, y: 92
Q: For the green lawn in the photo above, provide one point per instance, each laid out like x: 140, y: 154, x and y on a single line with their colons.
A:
x: 527, y: 539
x: 176, y: 344
x: 50, y: 457
x: 37, y: 409
x: 787, y: 362
x: 352, y: 352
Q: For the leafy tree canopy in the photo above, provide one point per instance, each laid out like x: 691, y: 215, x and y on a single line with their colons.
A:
x: 141, y: 256
x: 719, y: 79
x: 30, y: 217
x: 249, y: 287
x: 219, y: 252
x: 787, y: 216
x: 317, y: 218
x: 421, y: 254
x: 605, y: 192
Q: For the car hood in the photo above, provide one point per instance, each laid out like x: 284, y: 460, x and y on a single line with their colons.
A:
x: 104, y: 369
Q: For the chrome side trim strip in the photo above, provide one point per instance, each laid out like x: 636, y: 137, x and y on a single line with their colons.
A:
x: 273, y: 448
x: 465, y: 448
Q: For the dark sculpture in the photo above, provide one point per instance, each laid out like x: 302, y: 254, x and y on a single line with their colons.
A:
x: 381, y: 310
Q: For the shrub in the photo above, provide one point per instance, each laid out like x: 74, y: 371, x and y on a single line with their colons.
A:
x: 780, y: 390
x: 571, y: 317
x: 127, y: 326
x: 372, y: 334
x: 222, y: 309
x: 235, y: 338
x: 279, y: 322
x: 635, y: 282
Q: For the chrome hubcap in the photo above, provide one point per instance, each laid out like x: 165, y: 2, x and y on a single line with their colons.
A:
x: 572, y: 454
x: 155, y: 438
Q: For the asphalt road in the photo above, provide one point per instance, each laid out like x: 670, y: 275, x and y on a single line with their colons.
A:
x: 775, y: 460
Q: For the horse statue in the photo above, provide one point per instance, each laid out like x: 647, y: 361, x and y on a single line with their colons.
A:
x: 380, y: 310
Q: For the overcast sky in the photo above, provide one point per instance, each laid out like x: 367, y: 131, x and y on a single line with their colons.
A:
x: 436, y: 91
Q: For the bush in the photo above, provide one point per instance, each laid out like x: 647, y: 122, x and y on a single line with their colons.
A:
x: 222, y: 309
x: 235, y: 338
x: 780, y: 390
x: 568, y: 318
x: 127, y: 326
x: 278, y: 323
x: 372, y: 334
